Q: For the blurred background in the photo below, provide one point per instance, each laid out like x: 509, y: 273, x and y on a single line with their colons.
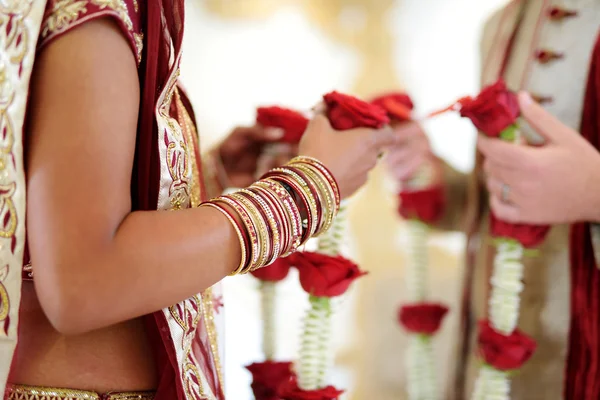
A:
x: 240, y: 54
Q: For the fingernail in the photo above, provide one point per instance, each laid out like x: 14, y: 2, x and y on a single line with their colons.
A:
x: 525, y: 98
x: 274, y: 133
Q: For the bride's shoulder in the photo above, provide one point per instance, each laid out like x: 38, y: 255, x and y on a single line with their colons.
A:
x: 63, y: 15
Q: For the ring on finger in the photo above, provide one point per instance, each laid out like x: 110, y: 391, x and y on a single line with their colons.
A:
x: 505, y: 193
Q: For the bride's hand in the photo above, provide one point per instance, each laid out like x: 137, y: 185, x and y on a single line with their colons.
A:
x: 349, y: 154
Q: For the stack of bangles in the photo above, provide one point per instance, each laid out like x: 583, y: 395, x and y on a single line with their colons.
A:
x: 281, y: 211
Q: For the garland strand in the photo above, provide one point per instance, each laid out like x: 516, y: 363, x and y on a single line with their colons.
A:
x: 268, y: 292
x: 491, y: 384
x: 421, y: 369
x: 504, y: 303
x: 315, y: 347
x: 417, y: 271
x: 419, y: 358
x: 506, y: 286
x: 330, y: 242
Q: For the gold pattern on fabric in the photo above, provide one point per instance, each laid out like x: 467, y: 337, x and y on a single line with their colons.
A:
x: 20, y: 21
x: 139, y: 45
x: 64, y: 13
x: 136, y: 7
x: 177, y: 155
x: 187, y: 314
x: 176, y: 184
x: 116, y: 5
x: 23, y: 392
x: 130, y: 396
x: 189, y: 131
x: 211, y: 328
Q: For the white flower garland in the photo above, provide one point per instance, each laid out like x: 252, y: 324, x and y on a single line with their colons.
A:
x: 315, y: 353
x: 504, y: 305
x: 268, y: 292
x: 421, y: 377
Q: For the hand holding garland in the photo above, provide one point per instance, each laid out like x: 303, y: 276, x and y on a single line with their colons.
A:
x: 543, y: 186
x: 123, y: 243
x: 495, y: 113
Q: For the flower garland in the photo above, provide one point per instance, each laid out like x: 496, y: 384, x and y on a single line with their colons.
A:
x: 325, y: 274
x: 503, y: 347
x: 268, y: 377
x: 421, y: 203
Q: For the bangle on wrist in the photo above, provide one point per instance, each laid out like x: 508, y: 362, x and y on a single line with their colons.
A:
x: 269, y: 221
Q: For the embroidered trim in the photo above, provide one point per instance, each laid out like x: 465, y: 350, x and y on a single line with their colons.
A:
x: 23, y: 392
x: 63, y: 14
x: 20, y: 23
x: 139, y: 45
x: 66, y: 14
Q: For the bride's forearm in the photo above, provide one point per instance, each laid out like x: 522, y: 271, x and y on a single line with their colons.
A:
x: 155, y: 259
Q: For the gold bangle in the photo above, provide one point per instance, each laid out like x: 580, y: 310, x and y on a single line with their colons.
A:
x: 282, y: 221
x: 238, y: 233
x: 275, y: 249
x: 327, y: 197
x: 261, y: 225
x: 325, y: 171
x: 249, y: 224
x: 306, y: 193
x: 291, y: 209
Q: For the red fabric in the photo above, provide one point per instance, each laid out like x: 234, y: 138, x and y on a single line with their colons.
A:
x: 398, y: 106
x: 424, y: 318
x: 504, y: 352
x: 292, y: 122
x: 93, y: 9
x: 347, y: 112
x: 161, y: 37
x: 269, y: 379
x: 528, y: 235
x: 161, y: 23
x: 493, y: 110
x: 295, y: 393
x: 325, y: 276
x: 426, y: 205
x: 275, y: 272
x: 582, y: 376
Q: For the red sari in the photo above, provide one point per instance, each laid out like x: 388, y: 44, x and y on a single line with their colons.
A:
x: 166, y: 173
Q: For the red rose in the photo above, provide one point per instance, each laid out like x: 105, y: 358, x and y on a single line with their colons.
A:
x: 397, y: 105
x: 269, y: 378
x: 426, y: 205
x: 528, y: 235
x: 325, y: 276
x: 424, y: 318
x: 293, y: 392
x: 504, y: 352
x: 347, y: 112
x: 275, y: 272
x: 493, y: 110
x: 292, y: 122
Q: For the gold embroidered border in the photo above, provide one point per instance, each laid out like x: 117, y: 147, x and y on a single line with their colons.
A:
x: 20, y: 23
x: 66, y: 13
x: 24, y: 392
